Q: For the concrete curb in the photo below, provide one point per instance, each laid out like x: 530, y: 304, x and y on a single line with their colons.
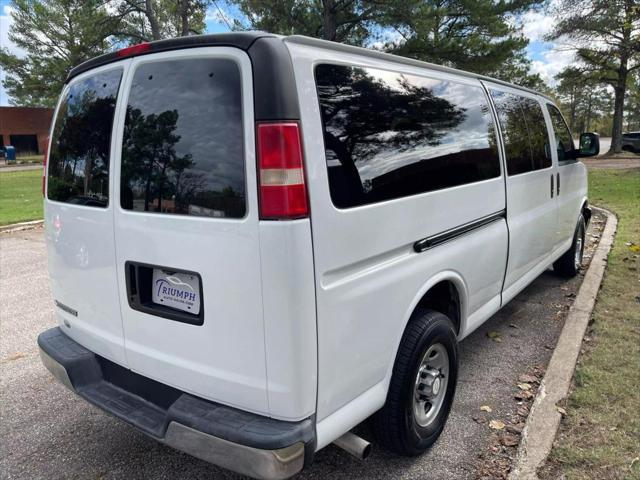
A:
x: 543, y: 421
x: 16, y: 227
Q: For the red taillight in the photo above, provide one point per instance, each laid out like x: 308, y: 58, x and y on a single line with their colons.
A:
x: 134, y: 50
x: 44, y: 167
x: 283, y: 194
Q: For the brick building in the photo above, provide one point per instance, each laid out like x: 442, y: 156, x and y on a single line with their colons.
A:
x: 25, y: 128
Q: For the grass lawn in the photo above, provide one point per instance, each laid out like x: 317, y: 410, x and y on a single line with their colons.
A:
x: 600, y: 436
x: 20, y: 196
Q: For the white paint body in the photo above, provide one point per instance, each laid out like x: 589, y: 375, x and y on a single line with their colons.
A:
x: 302, y: 317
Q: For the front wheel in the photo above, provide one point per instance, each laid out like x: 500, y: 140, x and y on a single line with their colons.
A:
x: 422, y: 385
x: 568, y: 265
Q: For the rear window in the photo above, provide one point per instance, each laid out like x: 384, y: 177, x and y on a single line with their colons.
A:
x: 182, y: 149
x: 80, y: 146
x: 389, y: 135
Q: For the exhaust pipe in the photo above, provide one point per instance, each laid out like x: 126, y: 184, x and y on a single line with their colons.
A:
x: 355, y: 445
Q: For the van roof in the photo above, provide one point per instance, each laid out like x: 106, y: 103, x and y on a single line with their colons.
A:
x: 244, y: 41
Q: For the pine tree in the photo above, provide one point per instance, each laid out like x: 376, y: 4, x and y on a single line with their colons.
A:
x: 606, y: 34
x: 56, y: 35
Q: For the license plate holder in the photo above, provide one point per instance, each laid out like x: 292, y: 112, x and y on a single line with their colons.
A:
x: 177, y: 290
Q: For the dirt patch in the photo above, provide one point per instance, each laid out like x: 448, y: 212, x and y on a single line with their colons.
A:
x: 616, y: 162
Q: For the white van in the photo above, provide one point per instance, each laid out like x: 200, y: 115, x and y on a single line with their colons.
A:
x: 257, y: 242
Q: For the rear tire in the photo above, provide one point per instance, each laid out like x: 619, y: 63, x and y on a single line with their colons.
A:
x: 568, y: 265
x: 422, y: 385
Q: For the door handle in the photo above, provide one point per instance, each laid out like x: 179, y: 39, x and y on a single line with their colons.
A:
x: 552, y: 185
x: 558, y: 183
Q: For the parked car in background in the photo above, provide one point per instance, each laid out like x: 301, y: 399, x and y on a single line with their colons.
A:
x: 631, y: 142
x: 257, y: 242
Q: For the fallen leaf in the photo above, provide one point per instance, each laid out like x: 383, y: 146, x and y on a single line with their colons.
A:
x: 523, y: 411
x: 496, y: 424
x: 486, y: 408
x: 523, y: 395
x: 524, y: 386
x: 509, y: 440
x: 516, y: 429
x: 493, y: 335
x: 561, y: 411
x: 526, y: 378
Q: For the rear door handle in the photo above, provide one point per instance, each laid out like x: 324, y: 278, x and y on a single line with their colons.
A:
x: 552, y: 185
x: 558, y: 183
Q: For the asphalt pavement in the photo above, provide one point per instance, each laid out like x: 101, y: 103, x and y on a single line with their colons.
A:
x: 48, y: 432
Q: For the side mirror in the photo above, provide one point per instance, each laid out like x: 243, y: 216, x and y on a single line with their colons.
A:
x: 589, y: 145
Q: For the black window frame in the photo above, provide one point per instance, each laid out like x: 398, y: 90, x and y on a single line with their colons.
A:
x: 492, y: 119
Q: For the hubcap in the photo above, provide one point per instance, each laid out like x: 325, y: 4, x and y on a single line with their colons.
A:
x: 431, y: 384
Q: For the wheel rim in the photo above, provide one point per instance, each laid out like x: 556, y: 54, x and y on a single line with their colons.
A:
x: 431, y: 384
x: 577, y: 257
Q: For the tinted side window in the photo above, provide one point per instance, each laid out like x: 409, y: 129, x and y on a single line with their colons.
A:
x: 564, y: 140
x: 389, y: 135
x: 538, y: 134
x: 514, y: 131
x: 182, y: 149
x: 80, y: 146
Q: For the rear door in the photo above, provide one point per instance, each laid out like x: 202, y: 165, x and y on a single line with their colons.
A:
x: 186, y: 225
x: 531, y: 187
x: 79, y: 209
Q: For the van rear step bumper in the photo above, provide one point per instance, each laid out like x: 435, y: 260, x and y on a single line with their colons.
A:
x: 244, y: 442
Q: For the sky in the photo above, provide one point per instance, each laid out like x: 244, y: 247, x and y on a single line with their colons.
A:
x: 548, y: 59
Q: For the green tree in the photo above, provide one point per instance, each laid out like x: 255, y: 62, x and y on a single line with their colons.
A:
x: 146, y: 20
x: 583, y: 98
x: 606, y: 34
x: 633, y: 100
x: 56, y: 35
x: 474, y: 35
x: 344, y: 21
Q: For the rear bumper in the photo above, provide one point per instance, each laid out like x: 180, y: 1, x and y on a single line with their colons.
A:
x: 244, y: 442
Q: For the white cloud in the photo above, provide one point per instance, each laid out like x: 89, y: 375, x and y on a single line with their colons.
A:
x: 536, y: 24
x: 554, y: 61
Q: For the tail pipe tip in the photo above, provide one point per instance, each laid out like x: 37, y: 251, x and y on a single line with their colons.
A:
x: 355, y: 445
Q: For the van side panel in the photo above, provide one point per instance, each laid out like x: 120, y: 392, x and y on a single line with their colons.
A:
x: 288, y: 302
x: 368, y: 274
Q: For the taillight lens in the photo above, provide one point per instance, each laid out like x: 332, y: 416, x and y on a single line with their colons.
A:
x: 283, y: 194
x: 44, y: 167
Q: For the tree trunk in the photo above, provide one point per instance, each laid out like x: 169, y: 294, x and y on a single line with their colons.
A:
x: 153, y: 20
x: 618, y: 112
x: 184, y: 18
x: 589, y: 112
x: 329, y: 20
